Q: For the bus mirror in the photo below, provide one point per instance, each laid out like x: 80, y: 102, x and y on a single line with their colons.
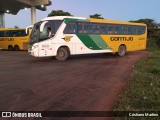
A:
x: 29, y: 29
x: 42, y: 26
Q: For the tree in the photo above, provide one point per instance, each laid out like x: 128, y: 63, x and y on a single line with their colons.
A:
x: 58, y: 13
x: 151, y: 26
x: 153, y: 31
x: 97, y: 16
x: 16, y: 26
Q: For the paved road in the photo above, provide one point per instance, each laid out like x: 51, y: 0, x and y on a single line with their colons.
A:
x: 82, y: 83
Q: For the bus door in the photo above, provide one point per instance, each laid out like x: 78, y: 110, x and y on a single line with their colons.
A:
x: 45, y: 40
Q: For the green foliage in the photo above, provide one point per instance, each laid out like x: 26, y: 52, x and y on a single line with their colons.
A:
x: 97, y: 16
x: 59, y: 13
x: 154, y: 70
x: 152, y: 26
x: 153, y: 32
x: 149, y: 22
x: 151, y: 43
x: 142, y: 92
x: 16, y: 26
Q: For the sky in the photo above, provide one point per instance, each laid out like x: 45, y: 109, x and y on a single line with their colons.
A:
x: 123, y: 10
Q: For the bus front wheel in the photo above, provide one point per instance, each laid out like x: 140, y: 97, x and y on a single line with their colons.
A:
x: 16, y: 48
x: 62, y: 54
x: 122, y: 50
x: 10, y: 48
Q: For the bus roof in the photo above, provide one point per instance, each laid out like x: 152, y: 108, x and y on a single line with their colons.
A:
x: 61, y: 18
x: 113, y: 21
x: 1, y: 29
x: 92, y: 20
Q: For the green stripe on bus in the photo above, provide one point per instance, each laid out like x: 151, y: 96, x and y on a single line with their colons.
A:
x: 88, y: 42
x: 99, y: 42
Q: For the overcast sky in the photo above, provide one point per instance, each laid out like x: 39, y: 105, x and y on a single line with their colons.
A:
x: 124, y: 10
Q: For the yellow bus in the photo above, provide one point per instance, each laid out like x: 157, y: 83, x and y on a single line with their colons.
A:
x: 76, y: 35
x: 14, y: 38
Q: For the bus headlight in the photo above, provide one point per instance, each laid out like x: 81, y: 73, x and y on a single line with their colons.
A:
x: 35, y: 46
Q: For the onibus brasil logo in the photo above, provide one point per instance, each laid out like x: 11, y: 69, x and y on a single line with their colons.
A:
x: 21, y: 114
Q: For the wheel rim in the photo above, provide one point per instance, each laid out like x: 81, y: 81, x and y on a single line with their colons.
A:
x: 122, y: 51
x: 10, y: 48
x: 16, y: 48
x: 61, y: 54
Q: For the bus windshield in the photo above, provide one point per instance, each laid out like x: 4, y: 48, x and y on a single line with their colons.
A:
x: 35, y: 33
x: 49, y: 30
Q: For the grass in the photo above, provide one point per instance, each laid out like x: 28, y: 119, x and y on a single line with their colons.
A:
x: 143, y: 90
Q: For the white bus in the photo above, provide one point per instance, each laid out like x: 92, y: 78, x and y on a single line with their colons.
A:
x: 62, y: 36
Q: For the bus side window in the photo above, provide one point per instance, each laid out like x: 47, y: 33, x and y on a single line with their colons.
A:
x: 74, y: 28
x: 14, y: 33
x: 71, y: 28
x: 123, y: 29
x: 1, y: 33
x: 19, y: 33
x: 117, y: 29
x: 94, y: 28
x: 110, y: 29
x: 80, y: 27
x: 144, y: 29
x: 132, y: 30
x: 102, y: 29
x: 140, y: 30
x: 22, y: 33
x: 7, y: 34
x: 55, y: 26
x: 86, y: 28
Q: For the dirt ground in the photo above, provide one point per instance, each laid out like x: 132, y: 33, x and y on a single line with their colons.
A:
x: 82, y: 83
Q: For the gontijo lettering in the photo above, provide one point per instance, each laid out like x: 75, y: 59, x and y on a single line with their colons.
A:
x: 121, y: 38
x: 6, y: 39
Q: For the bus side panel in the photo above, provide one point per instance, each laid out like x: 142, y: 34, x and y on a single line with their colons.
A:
x: 25, y: 45
x: 22, y: 42
x: 5, y: 42
x: 132, y: 42
x: 92, y: 44
x: 57, y: 46
x: 81, y: 44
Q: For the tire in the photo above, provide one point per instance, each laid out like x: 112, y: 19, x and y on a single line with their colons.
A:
x: 62, y: 54
x: 122, y: 50
x: 16, y: 48
x: 10, y: 48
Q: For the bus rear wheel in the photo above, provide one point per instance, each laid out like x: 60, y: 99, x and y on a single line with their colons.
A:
x: 16, y: 48
x: 10, y: 47
x: 62, y: 54
x: 122, y: 50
